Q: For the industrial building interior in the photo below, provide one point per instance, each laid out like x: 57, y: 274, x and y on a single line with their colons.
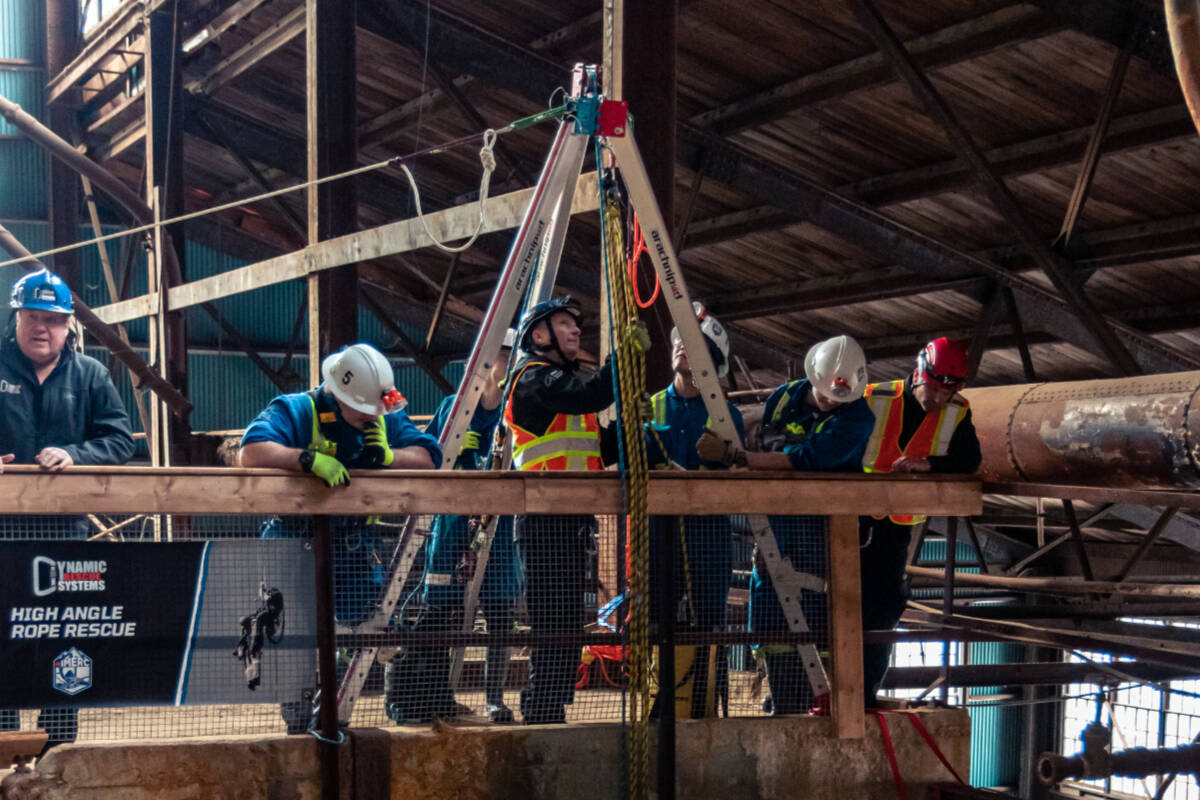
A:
x: 1020, y: 176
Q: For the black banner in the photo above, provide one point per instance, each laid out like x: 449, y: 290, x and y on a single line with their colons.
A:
x: 97, y: 624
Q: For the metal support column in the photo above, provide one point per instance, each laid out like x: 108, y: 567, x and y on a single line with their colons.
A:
x: 332, y: 148
x: 327, y: 714
x: 164, y: 188
x: 62, y: 41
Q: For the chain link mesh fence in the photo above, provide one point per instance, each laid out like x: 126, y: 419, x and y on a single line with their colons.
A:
x: 549, y: 584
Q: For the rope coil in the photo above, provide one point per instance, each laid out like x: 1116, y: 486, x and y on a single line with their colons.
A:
x: 487, y: 158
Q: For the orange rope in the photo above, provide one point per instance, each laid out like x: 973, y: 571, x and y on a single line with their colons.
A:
x: 635, y: 254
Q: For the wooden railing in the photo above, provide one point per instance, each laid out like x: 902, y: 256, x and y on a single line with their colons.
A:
x: 214, y: 490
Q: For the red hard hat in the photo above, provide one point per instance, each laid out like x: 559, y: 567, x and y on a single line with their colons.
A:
x: 944, y: 362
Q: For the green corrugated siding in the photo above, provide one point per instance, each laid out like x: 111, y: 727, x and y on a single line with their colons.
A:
x: 23, y: 179
x: 227, y: 390
x: 996, y: 731
x: 264, y: 316
x: 25, y: 87
x: 22, y: 29
x: 34, y: 236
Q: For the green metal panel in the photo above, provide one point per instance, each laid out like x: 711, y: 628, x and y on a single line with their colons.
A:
x: 22, y: 30
x: 227, y: 390
x: 996, y: 731
x: 35, y: 236
x: 23, y: 177
x: 264, y: 316
x: 26, y: 88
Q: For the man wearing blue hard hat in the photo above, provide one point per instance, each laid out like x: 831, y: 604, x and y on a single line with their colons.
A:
x: 57, y: 408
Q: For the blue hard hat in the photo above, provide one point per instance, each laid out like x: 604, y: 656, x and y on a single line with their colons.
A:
x: 42, y: 290
x: 545, y: 310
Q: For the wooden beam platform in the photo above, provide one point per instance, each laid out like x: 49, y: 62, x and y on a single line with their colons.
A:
x: 215, y: 490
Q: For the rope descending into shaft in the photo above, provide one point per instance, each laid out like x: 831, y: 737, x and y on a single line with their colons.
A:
x: 631, y: 373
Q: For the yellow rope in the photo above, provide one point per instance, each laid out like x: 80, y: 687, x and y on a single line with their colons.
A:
x: 631, y: 371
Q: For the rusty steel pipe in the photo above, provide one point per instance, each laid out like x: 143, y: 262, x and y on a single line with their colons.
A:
x: 1125, y: 432
x: 1136, y: 763
x: 1183, y: 28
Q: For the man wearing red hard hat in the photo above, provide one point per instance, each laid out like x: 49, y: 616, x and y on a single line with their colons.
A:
x: 922, y: 424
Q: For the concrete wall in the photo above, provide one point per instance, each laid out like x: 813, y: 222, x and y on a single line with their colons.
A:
x: 751, y: 759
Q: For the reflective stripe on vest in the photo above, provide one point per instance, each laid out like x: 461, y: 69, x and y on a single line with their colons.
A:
x: 932, y: 437
x: 318, y: 443
x: 793, y: 429
x: 658, y: 405
x: 572, y: 441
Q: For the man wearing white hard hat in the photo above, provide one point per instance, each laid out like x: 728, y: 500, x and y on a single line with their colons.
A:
x: 354, y: 420
x: 819, y: 423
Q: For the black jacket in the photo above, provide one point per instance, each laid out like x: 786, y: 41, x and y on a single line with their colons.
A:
x: 77, y: 408
x: 963, y: 456
x: 544, y: 390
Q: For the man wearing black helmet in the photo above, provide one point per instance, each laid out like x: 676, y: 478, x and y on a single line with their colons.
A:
x: 552, y: 415
x: 57, y: 408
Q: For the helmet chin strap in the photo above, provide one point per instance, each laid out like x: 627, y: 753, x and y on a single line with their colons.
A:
x: 546, y: 348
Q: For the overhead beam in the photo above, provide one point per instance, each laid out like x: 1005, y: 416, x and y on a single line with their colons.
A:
x: 219, y: 24
x: 252, y: 53
x: 464, y: 48
x: 526, y: 74
x: 503, y: 212
x: 1117, y: 23
x: 1051, y: 673
x: 1056, y: 268
x: 815, y: 293
x: 110, y: 36
x: 1130, y: 132
x: 955, y: 43
x: 1181, y: 528
x: 284, y: 151
x: 1091, y: 156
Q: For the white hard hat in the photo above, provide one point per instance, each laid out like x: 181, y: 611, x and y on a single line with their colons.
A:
x: 837, y: 369
x: 715, y: 333
x: 361, y: 377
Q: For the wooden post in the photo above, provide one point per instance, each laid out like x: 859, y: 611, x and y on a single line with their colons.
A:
x: 849, y: 721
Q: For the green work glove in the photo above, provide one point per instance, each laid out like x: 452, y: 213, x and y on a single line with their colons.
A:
x: 646, y: 406
x: 470, y: 442
x: 711, y: 447
x: 639, y: 336
x: 377, y: 449
x: 330, y: 470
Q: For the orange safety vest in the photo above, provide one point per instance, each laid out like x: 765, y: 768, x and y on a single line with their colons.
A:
x: 932, y: 437
x: 572, y: 441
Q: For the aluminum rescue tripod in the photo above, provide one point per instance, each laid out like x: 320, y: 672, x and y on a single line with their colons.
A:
x: 535, y: 257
